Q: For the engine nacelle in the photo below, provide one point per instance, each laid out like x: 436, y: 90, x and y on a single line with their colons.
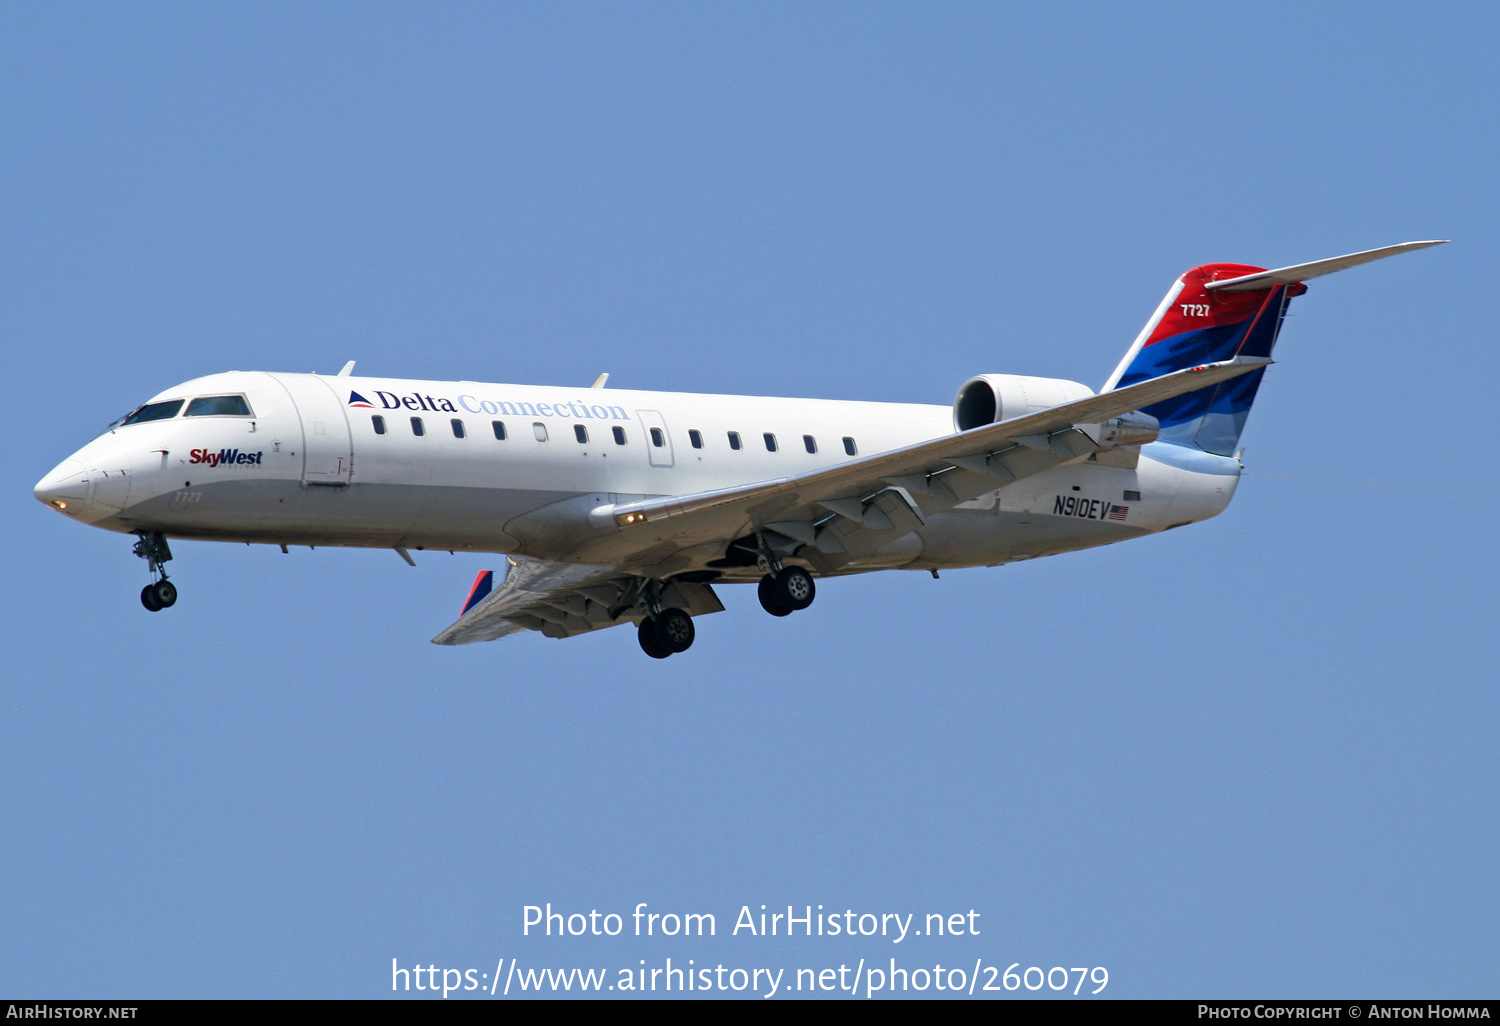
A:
x: 991, y: 398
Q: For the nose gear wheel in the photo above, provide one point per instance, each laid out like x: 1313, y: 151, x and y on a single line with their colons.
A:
x: 159, y: 596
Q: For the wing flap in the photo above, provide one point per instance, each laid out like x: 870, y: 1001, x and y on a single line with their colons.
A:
x: 564, y: 599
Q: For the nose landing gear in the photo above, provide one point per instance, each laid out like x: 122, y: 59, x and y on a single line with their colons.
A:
x: 160, y: 593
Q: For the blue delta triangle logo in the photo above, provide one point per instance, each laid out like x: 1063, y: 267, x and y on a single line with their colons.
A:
x: 355, y: 399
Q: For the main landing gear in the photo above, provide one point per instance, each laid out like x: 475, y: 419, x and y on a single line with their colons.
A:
x: 667, y: 632
x: 160, y: 593
x: 787, y: 590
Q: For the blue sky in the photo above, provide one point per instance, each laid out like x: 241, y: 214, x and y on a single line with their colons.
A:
x: 1255, y: 757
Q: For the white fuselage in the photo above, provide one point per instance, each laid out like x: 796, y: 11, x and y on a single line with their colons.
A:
x: 308, y: 467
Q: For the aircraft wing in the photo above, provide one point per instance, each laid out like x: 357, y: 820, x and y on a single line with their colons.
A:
x: 848, y: 507
x: 561, y: 600
x: 525, y: 600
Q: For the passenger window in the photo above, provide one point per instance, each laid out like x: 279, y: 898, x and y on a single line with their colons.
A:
x: 657, y: 438
x: 734, y: 439
x: 499, y: 426
x: 417, y: 428
x: 619, y: 435
x: 540, y: 430
x: 696, y: 438
x: 770, y: 441
x: 1132, y: 496
x: 849, y: 446
x: 153, y: 411
x: 379, y: 422
x: 218, y: 406
x: 458, y: 427
x: 810, y: 443
x: 581, y: 433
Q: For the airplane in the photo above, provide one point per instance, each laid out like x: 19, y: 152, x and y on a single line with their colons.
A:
x: 614, y: 506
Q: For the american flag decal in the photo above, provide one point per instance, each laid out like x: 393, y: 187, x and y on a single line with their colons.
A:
x: 1118, y: 512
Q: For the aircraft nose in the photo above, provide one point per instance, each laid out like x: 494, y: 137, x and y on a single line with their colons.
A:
x: 66, y: 488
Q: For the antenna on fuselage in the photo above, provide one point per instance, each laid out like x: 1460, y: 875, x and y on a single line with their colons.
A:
x: 602, y: 379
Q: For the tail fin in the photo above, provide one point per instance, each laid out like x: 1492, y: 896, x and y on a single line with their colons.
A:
x: 1194, y: 326
x: 1212, y: 313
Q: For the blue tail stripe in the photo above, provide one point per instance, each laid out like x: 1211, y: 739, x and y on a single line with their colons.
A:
x: 1191, y: 348
x: 1219, y: 431
x: 1211, y: 418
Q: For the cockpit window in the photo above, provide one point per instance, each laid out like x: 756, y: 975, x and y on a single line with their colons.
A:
x: 219, y: 406
x: 153, y: 411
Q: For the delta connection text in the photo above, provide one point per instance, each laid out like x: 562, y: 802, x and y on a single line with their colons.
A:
x: 440, y: 404
x: 542, y: 920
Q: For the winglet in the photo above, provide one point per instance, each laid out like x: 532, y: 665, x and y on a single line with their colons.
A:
x: 1301, y: 272
x: 483, y: 585
x: 600, y: 382
x: 348, y: 370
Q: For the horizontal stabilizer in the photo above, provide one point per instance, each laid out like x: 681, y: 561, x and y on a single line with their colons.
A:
x: 1301, y: 272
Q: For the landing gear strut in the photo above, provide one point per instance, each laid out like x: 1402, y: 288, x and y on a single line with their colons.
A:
x: 786, y: 591
x: 160, y: 593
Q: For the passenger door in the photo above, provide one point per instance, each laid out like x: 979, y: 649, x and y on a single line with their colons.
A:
x: 327, y: 456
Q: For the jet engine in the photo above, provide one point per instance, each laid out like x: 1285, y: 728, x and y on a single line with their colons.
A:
x: 991, y: 398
